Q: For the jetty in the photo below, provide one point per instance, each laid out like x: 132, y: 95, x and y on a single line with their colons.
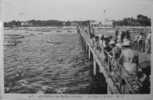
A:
x: 99, y: 67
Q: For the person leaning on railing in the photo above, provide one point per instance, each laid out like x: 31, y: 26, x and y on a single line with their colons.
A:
x: 129, y: 61
x: 141, y: 42
x: 105, y: 47
x: 115, y: 52
x: 135, y: 42
x: 108, y: 43
x: 129, y: 58
x: 148, y: 43
x: 96, y: 42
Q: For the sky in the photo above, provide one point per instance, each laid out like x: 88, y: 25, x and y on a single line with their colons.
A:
x: 73, y: 9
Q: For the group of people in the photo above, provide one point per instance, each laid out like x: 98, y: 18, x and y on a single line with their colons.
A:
x: 119, y: 48
x: 118, y: 53
x: 142, y: 42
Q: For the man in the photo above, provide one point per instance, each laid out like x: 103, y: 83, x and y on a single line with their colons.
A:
x: 129, y: 58
x: 99, y: 44
x: 119, y: 36
x: 136, y: 42
x: 96, y: 42
x: 93, y: 40
x: 116, y: 35
x: 148, y: 43
x: 116, y: 52
x: 106, y: 41
x: 141, y: 42
x: 78, y: 29
x: 105, y: 47
x: 119, y: 39
x: 129, y: 63
x: 112, y: 43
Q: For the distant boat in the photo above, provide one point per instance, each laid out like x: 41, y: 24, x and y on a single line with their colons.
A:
x: 55, y: 43
x: 12, y: 43
x: 13, y: 36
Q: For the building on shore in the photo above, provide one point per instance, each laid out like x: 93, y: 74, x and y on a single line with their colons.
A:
x: 25, y: 23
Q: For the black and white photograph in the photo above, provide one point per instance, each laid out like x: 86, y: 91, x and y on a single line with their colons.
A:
x: 76, y: 47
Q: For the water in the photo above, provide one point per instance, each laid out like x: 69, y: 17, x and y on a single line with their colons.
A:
x: 45, y: 60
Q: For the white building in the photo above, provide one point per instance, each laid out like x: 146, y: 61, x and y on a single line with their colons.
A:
x: 26, y: 23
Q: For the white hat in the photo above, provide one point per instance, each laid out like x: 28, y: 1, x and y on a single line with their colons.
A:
x: 99, y: 35
x: 119, y: 45
x: 112, y: 42
x: 106, y: 36
x: 126, y: 43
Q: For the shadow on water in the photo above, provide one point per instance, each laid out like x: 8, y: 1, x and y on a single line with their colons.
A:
x: 98, y: 83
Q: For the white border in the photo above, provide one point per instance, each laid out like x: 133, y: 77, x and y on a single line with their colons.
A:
x: 4, y: 96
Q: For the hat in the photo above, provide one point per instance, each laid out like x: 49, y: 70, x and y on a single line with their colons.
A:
x: 126, y: 43
x: 119, y: 45
x: 99, y: 35
x: 112, y: 42
x: 106, y: 36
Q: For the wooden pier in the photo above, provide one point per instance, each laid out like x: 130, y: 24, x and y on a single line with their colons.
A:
x: 99, y: 67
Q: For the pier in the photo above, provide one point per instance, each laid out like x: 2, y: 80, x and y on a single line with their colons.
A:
x: 99, y: 67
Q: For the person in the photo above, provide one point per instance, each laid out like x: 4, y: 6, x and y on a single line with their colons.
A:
x: 116, y: 52
x: 129, y: 59
x: 106, y: 41
x: 119, y: 36
x: 101, y: 42
x: 91, y: 34
x: 96, y: 42
x: 78, y: 29
x: 110, y: 53
x: 93, y: 40
x: 112, y: 43
x: 141, y: 42
x: 127, y: 35
x: 135, y: 42
x: 105, y: 47
x: 119, y: 39
x: 148, y: 43
x: 116, y: 35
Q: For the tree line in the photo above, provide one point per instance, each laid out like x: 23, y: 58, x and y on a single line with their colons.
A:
x: 38, y: 23
x: 140, y: 20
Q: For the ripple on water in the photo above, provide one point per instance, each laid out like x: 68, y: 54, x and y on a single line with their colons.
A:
x: 47, y: 69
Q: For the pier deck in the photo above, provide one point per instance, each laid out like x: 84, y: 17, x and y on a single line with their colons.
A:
x: 98, y: 63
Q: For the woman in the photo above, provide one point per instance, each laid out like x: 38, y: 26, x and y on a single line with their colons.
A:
x: 141, y: 42
x: 129, y: 58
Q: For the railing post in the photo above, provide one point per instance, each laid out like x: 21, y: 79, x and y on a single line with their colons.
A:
x: 94, y: 67
x: 108, y: 89
x: 86, y: 48
x: 89, y: 53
